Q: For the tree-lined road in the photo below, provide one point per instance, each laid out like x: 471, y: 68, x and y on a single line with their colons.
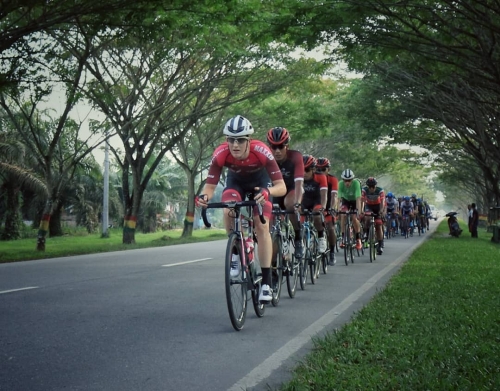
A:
x: 156, y: 319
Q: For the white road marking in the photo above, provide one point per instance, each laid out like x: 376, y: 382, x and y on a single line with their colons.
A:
x: 20, y: 289
x: 186, y: 262
x: 273, y: 362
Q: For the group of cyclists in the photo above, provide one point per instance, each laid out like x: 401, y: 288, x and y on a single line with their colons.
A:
x: 276, y: 174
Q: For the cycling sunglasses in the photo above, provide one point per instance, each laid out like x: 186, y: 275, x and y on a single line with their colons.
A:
x: 275, y: 147
x: 239, y: 140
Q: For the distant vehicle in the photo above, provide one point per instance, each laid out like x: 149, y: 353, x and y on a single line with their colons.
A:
x: 434, y: 212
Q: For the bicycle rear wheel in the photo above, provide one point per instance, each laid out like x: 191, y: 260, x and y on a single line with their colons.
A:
x: 277, y: 268
x: 236, y: 287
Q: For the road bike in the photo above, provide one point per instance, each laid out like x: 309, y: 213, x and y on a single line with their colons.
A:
x: 349, y: 238
x: 284, y: 261
x: 310, y: 260
x: 372, y: 237
x: 406, y: 226
x: 390, y: 225
x: 242, y: 244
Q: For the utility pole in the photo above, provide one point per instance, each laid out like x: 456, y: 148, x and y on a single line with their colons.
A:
x: 105, y: 200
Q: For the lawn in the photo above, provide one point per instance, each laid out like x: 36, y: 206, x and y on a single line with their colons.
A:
x: 25, y: 249
x: 436, y: 326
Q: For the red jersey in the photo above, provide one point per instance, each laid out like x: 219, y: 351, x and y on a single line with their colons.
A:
x: 260, y: 158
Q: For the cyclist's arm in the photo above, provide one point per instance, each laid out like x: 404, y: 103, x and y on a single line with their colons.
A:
x: 278, y: 189
x: 299, y: 190
x: 323, y: 193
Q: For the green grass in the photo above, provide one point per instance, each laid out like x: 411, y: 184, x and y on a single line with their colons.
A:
x: 25, y: 249
x: 436, y: 326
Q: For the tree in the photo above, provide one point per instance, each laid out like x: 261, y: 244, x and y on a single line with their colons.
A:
x: 433, y: 60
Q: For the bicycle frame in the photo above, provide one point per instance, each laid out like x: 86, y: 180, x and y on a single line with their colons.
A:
x: 349, y: 241
x: 250, y: 277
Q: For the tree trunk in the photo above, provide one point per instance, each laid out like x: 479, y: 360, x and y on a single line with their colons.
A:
x: 55, y: 226
x: 129, y: 225
x: 42, y: 232
x: 187, y: 232
x: 12, y: 215
x: 188, y: 225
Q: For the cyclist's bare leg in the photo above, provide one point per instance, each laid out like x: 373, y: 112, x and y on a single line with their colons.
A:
x: 265, y: 247
x: 356, y: 224
x: 380, y: 231
x: 332, y: 237
x: 289, y: 206
x: 228, y: 221
x: 318, y: 224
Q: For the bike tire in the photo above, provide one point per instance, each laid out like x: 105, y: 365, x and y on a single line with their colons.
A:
x: 353, y: 245
x: 236, y: 287
x: 293, y: 273
x: 313, y: 260
x: 277, y: 268
x: 371, y: 239
x: 347, y: 244
x: 324, y: 261
x: 258, y: 307
x: 304, y: 269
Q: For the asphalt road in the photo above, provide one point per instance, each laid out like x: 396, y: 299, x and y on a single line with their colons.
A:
x: 156, y: 319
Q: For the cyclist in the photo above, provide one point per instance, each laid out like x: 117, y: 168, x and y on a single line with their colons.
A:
x: 323, y: 168
x: 373, y: 197
x: 314, y: 198
x: 392, y: 206
x: 292, y: 168
x: 349, y: 195
x: 250, y: 164
x: 421, y: 214
x: 406, y: 210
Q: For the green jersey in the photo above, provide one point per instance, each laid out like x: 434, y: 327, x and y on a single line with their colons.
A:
x: 350, y: 193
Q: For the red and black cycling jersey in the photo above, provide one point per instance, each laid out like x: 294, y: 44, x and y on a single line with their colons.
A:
x: 375, y: 198
x: 292, y: 169
x: 312, y: 190
x: 259, y: 159
x: 333, y: 186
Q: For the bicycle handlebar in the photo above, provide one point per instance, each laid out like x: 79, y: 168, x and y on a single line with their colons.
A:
x: 232, y: 205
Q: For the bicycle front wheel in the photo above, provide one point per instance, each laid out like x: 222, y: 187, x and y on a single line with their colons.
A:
x: 347, y: 245
x: 277, y: 268
x: 236, y: 286
x: 313, y: 260
x: 371, y: 239
x: 304, y: 267
x: 293, y: 272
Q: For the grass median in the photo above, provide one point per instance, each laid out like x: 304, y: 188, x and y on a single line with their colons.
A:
x: 436, y: 326
x: 63, y: 246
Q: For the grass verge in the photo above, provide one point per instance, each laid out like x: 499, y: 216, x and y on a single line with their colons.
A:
x: 25, y: 249
x: 436, y: 326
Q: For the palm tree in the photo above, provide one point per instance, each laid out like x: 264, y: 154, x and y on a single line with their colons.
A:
x: 15, y: 176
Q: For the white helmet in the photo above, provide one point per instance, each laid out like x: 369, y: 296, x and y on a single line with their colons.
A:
x: 347, y: 174
x: 238, y: 126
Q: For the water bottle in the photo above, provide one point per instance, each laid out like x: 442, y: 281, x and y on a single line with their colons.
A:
x: 249, y: 245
